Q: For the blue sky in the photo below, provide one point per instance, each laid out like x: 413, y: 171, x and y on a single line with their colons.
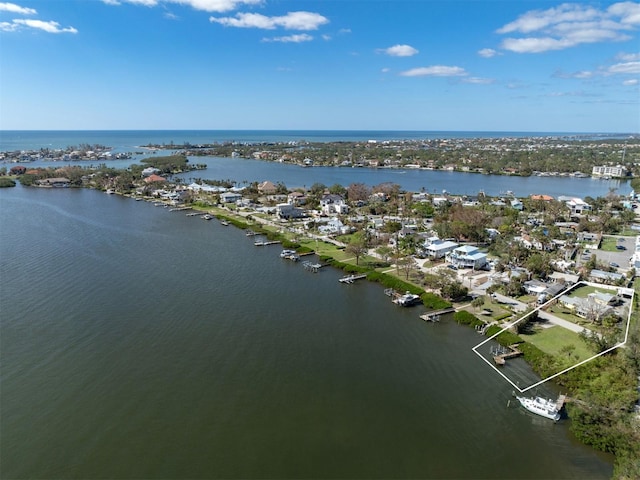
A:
x: 325, y: 64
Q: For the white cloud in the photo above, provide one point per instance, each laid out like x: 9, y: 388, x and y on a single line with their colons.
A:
x: 302, y: 37
x: 479, y: 80
x: 624, y: 68
x: 49, y: 27
x: 216, y: 5
x: 488, y: 52
x: 8, y: 26
x: 399, y: 51
x: 570, y: 24
x: 204, y: 5
x: 435, y: 71
x: 628, y: 57
x: 385, y: 70
x: 631, y: 82
x: 13, y: 8
x: 290, y: 21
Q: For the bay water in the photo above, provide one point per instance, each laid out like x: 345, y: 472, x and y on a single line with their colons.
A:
x: 141, y: 343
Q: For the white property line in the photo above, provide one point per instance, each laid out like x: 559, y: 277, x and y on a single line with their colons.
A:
x: 522, y: 390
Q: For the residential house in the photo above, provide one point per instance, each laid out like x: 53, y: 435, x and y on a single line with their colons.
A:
x: 601, y: 276
x: 230, y: 197
x: 436, y: 248
x: 333, y: 204
x: 468, y: 256
x: 54, y: 182
x: 267, y: 188
x: 595, y: 307
x: 287, y: 211
x: 609, y: 171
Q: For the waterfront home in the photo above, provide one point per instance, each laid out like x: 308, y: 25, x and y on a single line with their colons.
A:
x: 334, y: 227
x: 17, y: 170
x: 230, y: 197
x: 267, y: 188
x: 150, y: 171
x: 333, y: 204
x: 436, y: 248
x: 517, y: 204
x: 58, y: 182
x: 595, y: 307
x: 297, y: 198
x: 154, y: 178
x: 468, y: 256
x: 287, y: 211
x: 608, y: 171
x: 576, y: 205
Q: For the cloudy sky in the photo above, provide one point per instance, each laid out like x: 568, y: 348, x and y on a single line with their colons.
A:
x: 322, y: 64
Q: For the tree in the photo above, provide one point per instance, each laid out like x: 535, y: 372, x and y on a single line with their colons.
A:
x: 357, y: 247
x: 477, y: 302
x: 358, y: 192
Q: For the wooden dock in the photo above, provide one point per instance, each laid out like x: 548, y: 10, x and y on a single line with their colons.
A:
x: 434, y: 316
x: 351, y: 278
x: 262, y: 244
x: 512, y: 352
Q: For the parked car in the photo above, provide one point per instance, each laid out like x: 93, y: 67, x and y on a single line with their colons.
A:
x: 614, y: 264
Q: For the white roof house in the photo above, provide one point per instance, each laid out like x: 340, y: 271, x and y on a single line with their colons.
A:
x: 439, y: 248
x: 468, y: 256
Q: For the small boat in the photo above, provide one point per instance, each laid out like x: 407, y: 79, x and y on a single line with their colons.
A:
x: 206, y: 216
x: 224, y: 222
x: 290, y: 255
x: 407, y: 299
x: 541, y: 406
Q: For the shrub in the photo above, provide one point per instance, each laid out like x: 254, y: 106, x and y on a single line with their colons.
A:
x: 467, y: 318
x: 434, y: 302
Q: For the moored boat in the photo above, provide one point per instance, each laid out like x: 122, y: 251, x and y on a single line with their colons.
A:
x: 541, y: 406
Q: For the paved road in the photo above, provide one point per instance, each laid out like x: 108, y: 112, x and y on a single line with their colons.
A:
x: 561, y: 322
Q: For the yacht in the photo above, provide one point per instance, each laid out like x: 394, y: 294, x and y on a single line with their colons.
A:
x: 541, y: 406
x: 407, y: 299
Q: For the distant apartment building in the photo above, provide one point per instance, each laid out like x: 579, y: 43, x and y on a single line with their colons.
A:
x: 609, y: 171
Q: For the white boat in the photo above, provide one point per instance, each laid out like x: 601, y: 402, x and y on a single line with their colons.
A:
x: 541, y: 406
x: 290, y: 255
x: 407, y: 299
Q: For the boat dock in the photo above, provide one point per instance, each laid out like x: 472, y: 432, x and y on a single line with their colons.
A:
x: 179, y: 209
x: 263, y: 243
x: 312, y: 267
x: 501, y: 355
x: 351, y: 278
x: 434, y: 316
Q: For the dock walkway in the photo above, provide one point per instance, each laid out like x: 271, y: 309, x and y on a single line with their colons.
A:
x: 512, y: 352
x: 434, y: 315
x: 351, y: 278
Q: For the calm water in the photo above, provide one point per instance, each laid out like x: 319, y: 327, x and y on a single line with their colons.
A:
x: 244, y: 170
x: 141, y: 343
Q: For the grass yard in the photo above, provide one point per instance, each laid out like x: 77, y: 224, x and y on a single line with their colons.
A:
x: 552, y: 340
x: 608, y: 244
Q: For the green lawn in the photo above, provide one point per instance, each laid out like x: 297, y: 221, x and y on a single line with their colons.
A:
x: 608, y: 244
x: 551, y: 340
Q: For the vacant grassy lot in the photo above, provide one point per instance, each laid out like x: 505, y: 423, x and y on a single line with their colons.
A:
x: 608, y: 244
x: 552, y: 340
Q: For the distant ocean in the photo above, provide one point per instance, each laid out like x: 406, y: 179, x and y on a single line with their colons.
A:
x: 123, y: 140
